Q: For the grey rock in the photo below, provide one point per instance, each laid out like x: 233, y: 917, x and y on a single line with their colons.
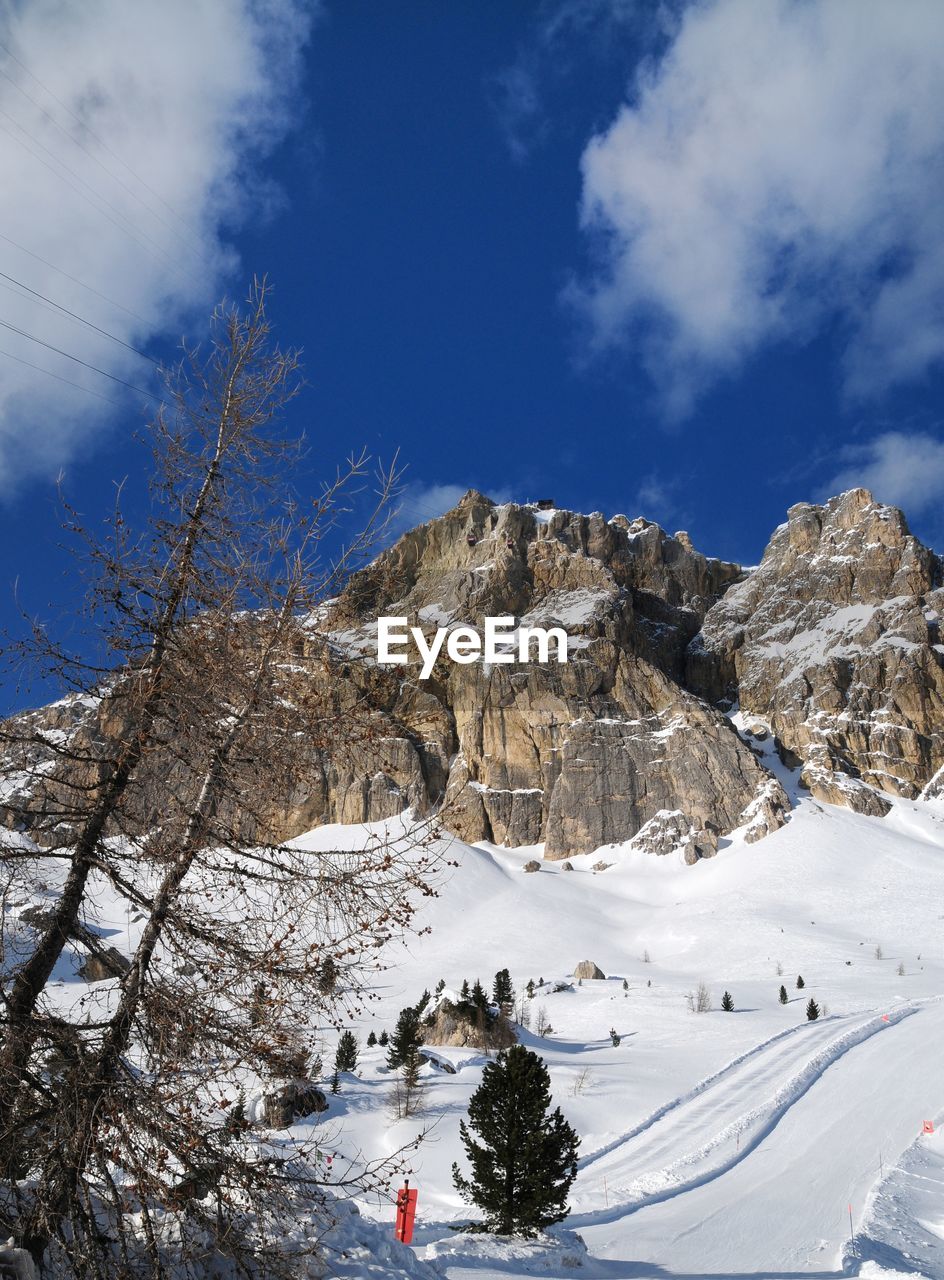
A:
x: 292, y: 1101
x: 835, y: 641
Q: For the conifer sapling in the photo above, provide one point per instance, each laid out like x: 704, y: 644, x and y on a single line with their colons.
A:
x: 526, y: 1158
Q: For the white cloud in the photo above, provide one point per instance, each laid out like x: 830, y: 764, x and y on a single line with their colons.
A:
x: 905, y: 469
x: 130, y: 135
x: 420, y: 502
x: 566, y: 38
x: 660, y: 498
x: 780, y: 168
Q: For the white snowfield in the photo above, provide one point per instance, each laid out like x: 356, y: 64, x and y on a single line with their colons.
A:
x: 718, y: 1144
x: 715, y: 1144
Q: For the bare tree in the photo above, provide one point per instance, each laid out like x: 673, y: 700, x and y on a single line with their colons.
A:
x: 542, y: 1025
x: 125, y: 1148
x: 699, y: 1000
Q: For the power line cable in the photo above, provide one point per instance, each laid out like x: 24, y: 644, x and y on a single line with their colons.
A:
x: 68, y: 381
x: 81, y: 319
x: 92, y: 156
x: 141, y: 239
x: 75, y: 280
x: 101, y: 142
x: 95, y: 369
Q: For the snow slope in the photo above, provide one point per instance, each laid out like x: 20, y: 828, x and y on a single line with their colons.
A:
x: 714, y: 1144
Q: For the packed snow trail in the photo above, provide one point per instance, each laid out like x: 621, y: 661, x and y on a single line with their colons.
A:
x: 782, y: 1208
x: 720, y: 1122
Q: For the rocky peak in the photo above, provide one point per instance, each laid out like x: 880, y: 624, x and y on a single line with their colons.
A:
x: 833, y: 640
x: 831, y: 644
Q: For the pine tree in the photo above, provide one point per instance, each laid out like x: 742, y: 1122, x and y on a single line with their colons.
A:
x: 529, y: 989
x: 625, y: 984
x: 371, y: 1039
x: 464, y: 993
x: 503, y: 993
x: 615, y: 1038
x: 328, y: 977
x: 783, y: 994
x: 479, y: 998
x: 800, y: 983
x: 440, y: 986
x: 727, y: 1002
x: 408, y: 1091
x: 405, y: 1038
x: 345, y: 1059
x: 237, y: 1118
x: 383, y: 1039
x: 812, y: 1010
x: 257, y: 1008
x: 526, y: 1161
x: 335, y: 1082
x: 423, y: 1002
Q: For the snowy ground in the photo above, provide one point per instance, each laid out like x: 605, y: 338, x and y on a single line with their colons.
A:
x: 714, y: 1144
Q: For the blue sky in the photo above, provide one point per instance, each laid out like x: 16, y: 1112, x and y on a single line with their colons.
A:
x: 678, y: 260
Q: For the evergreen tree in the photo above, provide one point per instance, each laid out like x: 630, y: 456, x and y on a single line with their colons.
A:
x: 345, y: 1059
x: 464, y: 993
x: 383, y: 1039
x: 800, y: 983
x: 407, y: 1094
x: 625, y: 984
x: 237, y: 1118
x: 405, y: 1038
x: 529, y: 989
x: 479, y: 998
x: 615, y: 1038
x: 328, y: 977
x: 503, y: 993
x: 812, y: 1010
x: 783, y: 994
x: 257, y: 1008
x: 526, y: 1161
x: 335, y: 1083
x: 371, y: 1039
x: 727, y: 1002
x: 440, y: 986
x: 423, y: 1002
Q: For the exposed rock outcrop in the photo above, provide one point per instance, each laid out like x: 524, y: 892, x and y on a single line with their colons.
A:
x: 290, y: 1102
x: 831, y: 645
x: 587, y: 969
x: 833, y: 640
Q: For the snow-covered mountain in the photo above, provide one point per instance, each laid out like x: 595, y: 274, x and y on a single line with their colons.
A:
x: 775, y: 736
x: 832, y: 643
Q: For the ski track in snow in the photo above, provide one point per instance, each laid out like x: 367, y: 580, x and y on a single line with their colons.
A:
x: 666, y: 1164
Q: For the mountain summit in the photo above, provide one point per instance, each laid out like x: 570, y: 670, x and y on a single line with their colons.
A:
x: 831, y: 646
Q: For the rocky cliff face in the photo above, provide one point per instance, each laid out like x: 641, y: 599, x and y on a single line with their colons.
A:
x: 576, y: 755
x: 834, y: 642
x: 831, y: 644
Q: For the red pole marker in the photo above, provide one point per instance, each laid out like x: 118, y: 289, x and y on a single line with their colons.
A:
x: 928, y: 1126
x: 885, y: 1017
x: 406, y: 1212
